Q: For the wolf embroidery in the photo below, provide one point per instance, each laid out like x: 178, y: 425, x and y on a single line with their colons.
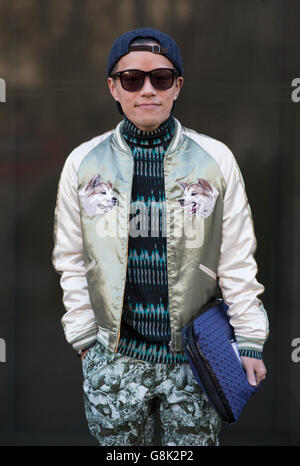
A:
x: 97, y: 196
x: 198, y: 198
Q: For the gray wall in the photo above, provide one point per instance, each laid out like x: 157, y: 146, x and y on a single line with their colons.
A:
x: 240, y: 58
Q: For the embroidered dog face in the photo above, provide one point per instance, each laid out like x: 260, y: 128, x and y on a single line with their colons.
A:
x: 198, y: 198
x: 97, y: 196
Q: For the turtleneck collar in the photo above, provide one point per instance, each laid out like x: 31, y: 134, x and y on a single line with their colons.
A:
x: 139, y: 137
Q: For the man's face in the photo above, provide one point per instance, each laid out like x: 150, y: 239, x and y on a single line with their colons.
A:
x: 148, y: 107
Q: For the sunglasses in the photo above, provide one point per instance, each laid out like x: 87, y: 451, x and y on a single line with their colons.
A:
x: 133, y: 80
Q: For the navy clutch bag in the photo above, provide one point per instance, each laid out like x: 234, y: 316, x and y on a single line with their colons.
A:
x: 212, y: 353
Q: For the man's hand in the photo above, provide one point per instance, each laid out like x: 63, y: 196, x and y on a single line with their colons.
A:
x: 255, y: 370
x: 84, y: 353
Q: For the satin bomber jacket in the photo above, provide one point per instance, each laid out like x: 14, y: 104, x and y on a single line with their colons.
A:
x: 209, y: 231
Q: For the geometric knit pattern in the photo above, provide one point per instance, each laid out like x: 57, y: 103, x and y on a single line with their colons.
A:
x: 145, y: 324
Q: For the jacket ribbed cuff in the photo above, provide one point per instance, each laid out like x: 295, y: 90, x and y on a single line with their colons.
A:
x: 249, y: 344
x: 250, y: 353
x: 85, y: 341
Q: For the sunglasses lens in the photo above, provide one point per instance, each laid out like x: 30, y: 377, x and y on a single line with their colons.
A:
x: 132, y: 80
x: 162, y: 79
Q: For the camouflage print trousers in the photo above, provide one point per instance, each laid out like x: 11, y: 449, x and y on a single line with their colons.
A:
x: 120, y: 395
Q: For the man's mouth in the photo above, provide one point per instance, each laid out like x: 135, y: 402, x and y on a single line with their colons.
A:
x: 150, y: 105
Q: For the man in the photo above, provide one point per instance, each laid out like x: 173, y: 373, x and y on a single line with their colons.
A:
x: 151, y: 222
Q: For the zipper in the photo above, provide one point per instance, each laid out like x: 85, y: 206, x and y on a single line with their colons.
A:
x: 194, y: 350
x: 90, y: 265
x: 127, y: 242
x: 208, y: 271
x: 166, y: 230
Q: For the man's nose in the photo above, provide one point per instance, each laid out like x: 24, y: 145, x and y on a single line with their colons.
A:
x: 147, y: 87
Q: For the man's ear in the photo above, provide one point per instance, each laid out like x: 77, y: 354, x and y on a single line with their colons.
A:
x: 179, y: 84
x: 113, y: 90
x: 112, y: 87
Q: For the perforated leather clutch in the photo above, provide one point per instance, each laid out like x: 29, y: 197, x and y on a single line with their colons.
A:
x: 212, y: 353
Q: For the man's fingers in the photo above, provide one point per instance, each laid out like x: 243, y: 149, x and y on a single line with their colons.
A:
x: 83, y: 354
x: 251, y: 376
x: 255, y: 370
x: 260, y: 375
x: 261, y: 371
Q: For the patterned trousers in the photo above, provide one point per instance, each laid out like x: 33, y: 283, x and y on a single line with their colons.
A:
x: 121, y: 395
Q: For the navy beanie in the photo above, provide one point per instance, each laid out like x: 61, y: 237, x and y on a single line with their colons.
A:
x: 168, y: 47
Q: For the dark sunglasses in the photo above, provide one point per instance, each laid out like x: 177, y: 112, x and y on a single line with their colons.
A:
x: 133, y: 80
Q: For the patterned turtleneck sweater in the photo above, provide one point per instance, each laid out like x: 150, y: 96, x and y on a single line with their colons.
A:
x: 145, y: 326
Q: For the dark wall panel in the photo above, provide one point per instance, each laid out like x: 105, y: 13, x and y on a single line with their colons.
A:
x: 240, y: 59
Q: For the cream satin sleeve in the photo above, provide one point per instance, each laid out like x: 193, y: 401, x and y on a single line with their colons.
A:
x: 237, y: 267
x: 78, y: 322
